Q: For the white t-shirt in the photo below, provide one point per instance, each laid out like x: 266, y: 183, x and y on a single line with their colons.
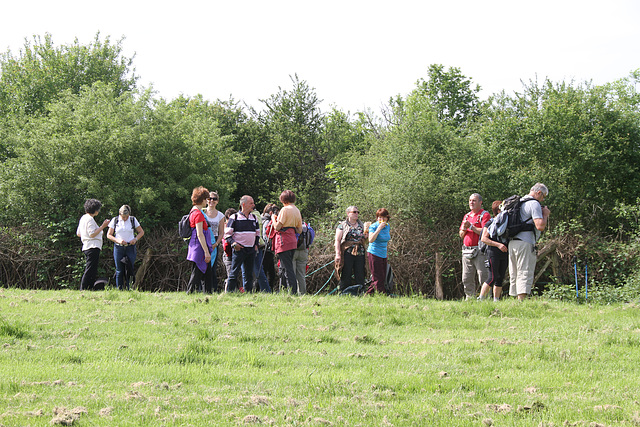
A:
x: 123, y: 229
x: 86, y: 227
x: 214, y: 223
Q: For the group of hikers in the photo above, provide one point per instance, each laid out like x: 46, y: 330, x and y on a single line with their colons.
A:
x: 252, y: 244
x: 490, y: 245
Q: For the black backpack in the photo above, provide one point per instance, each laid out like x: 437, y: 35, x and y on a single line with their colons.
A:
x: 511, y: 208
x: 184, y: 228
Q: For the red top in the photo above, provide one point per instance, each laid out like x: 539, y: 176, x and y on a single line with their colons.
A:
x: 477, y: 220
x: 197, y: 216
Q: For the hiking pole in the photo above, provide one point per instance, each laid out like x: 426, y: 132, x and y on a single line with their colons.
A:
x: 586, y: 285
x: 575, y: 272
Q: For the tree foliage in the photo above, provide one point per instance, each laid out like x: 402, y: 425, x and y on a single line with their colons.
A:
x: 42, y: 71
x: 125, y: 148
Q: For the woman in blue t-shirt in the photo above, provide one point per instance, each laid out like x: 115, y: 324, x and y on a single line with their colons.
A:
x: 379, y: 236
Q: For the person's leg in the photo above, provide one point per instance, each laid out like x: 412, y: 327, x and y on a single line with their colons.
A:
x: 527, y: 269
x: 502, y: 263
x: 300, y: 258
x: 491, y: 278
x: 468, y: 277
x: 482, y: 271
x: 513, y: 268
x: 208, y: 280
x: 378, y: 267
x: 358, y: 269
x: 248, y: 262
x: 269, y: 267
x: 214, y: 270
x: 347, y: 269
x: 131, y: 253
x: 195, y: 280
x: 235, y: 273
x: 258, y: 271
x: 286, y: 261
x: 227, y: 265
x: 88, y: 280
x: 118, y: 254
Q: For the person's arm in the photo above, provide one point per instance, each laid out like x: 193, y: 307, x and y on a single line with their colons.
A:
x: 111, y: 236
x: 337, y: 244
x: 203, y: 241
x: 373, y: 236
x: 104, y: 225
x: 140, y: 232
x: 464, y: 227
x: 485, y: 238
x: 220, y: 233
x: 541, y: 223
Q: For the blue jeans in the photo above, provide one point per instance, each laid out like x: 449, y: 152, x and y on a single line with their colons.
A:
x: 123, y: 272
x: 258, y: 272
x: 242, y: 258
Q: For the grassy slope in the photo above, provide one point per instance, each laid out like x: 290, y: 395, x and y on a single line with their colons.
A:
x: 175, y: 359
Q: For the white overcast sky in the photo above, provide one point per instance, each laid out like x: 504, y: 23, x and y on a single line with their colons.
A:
x: 356, y: 54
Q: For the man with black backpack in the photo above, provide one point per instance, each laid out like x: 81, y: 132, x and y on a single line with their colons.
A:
x: 522, y: 247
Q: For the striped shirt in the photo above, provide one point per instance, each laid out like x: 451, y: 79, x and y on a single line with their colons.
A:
x: 242, y: 230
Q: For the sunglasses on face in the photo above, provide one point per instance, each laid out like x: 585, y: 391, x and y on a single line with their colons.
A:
x: 213, y: 198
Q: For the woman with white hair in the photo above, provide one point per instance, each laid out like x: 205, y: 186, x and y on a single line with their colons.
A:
x: 124, y: 231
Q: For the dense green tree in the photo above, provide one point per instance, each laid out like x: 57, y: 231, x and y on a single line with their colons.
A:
x: 452, y: 96
x: 293, y: 124
x: 580, y: 140
x: 41, y: 71
x: 125, y: 148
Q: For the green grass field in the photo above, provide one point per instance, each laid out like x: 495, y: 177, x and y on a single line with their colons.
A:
x: 166, y: 359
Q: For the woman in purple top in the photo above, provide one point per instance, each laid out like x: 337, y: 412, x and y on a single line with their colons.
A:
x: 200, y: 248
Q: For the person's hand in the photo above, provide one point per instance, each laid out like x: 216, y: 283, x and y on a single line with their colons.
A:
x: 503, y: 248
x: 134, y: 241
x: 382, y: 225
x: 545, y: 211
x: 122, y: 242
x: 207, y: 258
x: 105, y: 223
x: 467, y: 225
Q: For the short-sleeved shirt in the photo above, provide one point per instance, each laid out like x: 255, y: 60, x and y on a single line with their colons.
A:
x: 479, y: 220
x: 379, y: 246
x: 530, y: 210
x: 86, y: 227
x: 289, y: 216
x: 123, y: 228
x: 214, y: 223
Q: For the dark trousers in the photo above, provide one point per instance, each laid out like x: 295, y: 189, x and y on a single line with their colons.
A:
x: 286, y: 266
x: 90, y: 268
x: 269, y: 267
x: 378, y: 267
x: 246, y: 257
x: 352, y: 264
x: 200, y: 281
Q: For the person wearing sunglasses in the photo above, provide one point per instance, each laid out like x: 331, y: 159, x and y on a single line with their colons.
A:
x: 215, y: 220
x: 351, y: 235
